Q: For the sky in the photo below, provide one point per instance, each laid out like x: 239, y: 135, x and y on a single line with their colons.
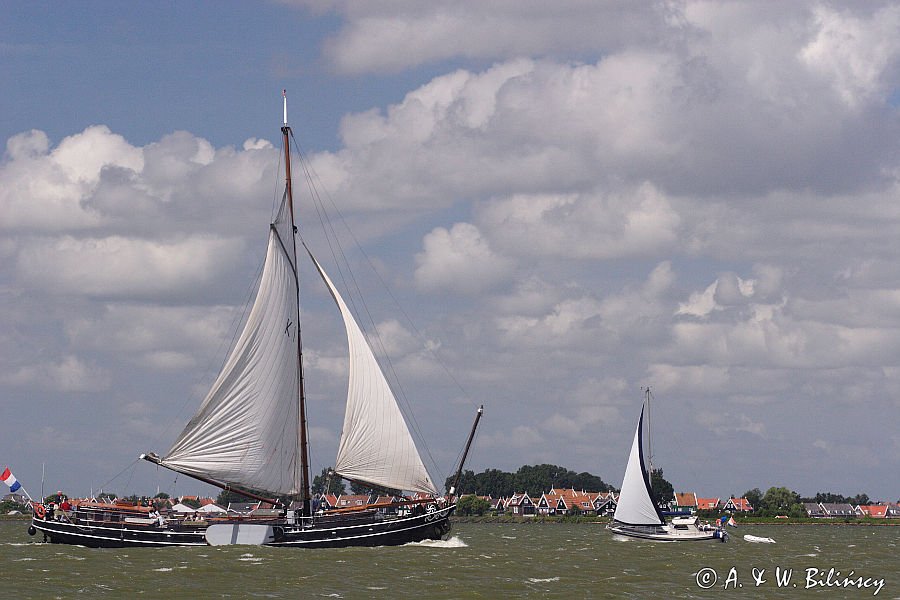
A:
x: 561, y: 203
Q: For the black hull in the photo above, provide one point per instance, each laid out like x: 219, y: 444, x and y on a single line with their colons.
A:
x: 328, y: 532
x: 113, y: 536
x: 430, y: 526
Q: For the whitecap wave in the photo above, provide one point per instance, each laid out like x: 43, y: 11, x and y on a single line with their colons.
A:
x: 547, y: 580
x: 453, y: 542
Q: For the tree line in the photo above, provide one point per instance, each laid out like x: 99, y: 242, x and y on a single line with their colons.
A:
x: 533, y: 479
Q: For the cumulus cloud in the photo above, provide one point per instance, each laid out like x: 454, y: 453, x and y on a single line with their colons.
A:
x: 853, y: 52
x: 637, y: 222
x: 459, y: 260
x: 397, y: 35
x: 70, y: 374
x: 121, y: 267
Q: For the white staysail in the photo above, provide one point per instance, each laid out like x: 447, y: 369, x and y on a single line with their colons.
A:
x: 247, y: 429
x: 635, y: 506
x: 376, y: 446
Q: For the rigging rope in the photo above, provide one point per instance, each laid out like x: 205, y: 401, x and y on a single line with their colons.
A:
x: 340, y: 258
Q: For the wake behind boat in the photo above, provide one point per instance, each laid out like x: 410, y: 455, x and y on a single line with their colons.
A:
x: 638, y: 516
x: 250, y: 436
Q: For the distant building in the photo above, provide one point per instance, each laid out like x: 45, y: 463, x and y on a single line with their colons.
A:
x: 686, y: 502
x: 874, y: 511
x: 242, y: 508
x: 838, y: 510
x: 815, y: 510
x: 738, y: 505
x: 708, y: 503
x: 605, y: 503
x: 350, y: 500
x: 521, y: 505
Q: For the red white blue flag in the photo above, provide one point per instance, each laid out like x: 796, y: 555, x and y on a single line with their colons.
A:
x: 10, y: 480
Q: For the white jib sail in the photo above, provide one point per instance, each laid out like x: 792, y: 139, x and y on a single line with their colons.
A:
x: 635, y: 506
x: 376, y: 446
x: 247, y: 429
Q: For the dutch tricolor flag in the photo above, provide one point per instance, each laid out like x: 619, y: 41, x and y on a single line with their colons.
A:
x: 10, y: 480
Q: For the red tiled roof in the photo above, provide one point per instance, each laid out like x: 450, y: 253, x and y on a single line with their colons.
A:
x: 741, y: 504
x: 876, y: 511
x: 686, y: 499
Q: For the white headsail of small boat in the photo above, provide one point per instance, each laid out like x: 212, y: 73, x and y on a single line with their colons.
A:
x: 635, y: 505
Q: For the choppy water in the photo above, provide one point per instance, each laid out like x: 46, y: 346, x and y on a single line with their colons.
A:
x: 479, y: 561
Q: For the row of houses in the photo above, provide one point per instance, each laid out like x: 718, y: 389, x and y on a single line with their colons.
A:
x: 557, y: 501
x: 690, y: 502
x: 570, y: 501
x: 826, y: 510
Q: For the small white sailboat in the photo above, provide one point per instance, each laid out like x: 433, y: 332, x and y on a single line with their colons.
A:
x: 638, y: 516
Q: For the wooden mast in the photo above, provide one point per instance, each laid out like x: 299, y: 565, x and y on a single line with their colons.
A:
x: 304, y: 442
x: 462, y: 461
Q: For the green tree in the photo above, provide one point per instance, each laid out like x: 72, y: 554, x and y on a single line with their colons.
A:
x: 8, y: 506
x: 335, y: 483
x: 781, y: 501
x: 829, y: 498
x: 534, y: 479
x: 226, y: 497
x: 472, y: 505
x: 754, y: 497
x: 663, y: 491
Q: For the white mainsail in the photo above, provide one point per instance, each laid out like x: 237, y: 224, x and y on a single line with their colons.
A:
x: 635, y: 506
x: 247, y: 429
x: 376, y: 446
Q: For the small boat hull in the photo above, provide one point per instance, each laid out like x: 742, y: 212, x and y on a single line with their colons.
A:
x: 667, y: 533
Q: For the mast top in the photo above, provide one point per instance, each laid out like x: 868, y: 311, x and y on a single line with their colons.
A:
x: 284, y: 96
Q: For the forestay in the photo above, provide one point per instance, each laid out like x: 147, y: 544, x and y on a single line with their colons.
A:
x: 247, y: 429
x: 376, y: 446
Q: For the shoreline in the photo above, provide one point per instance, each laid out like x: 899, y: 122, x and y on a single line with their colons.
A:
x: 553, y: 520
